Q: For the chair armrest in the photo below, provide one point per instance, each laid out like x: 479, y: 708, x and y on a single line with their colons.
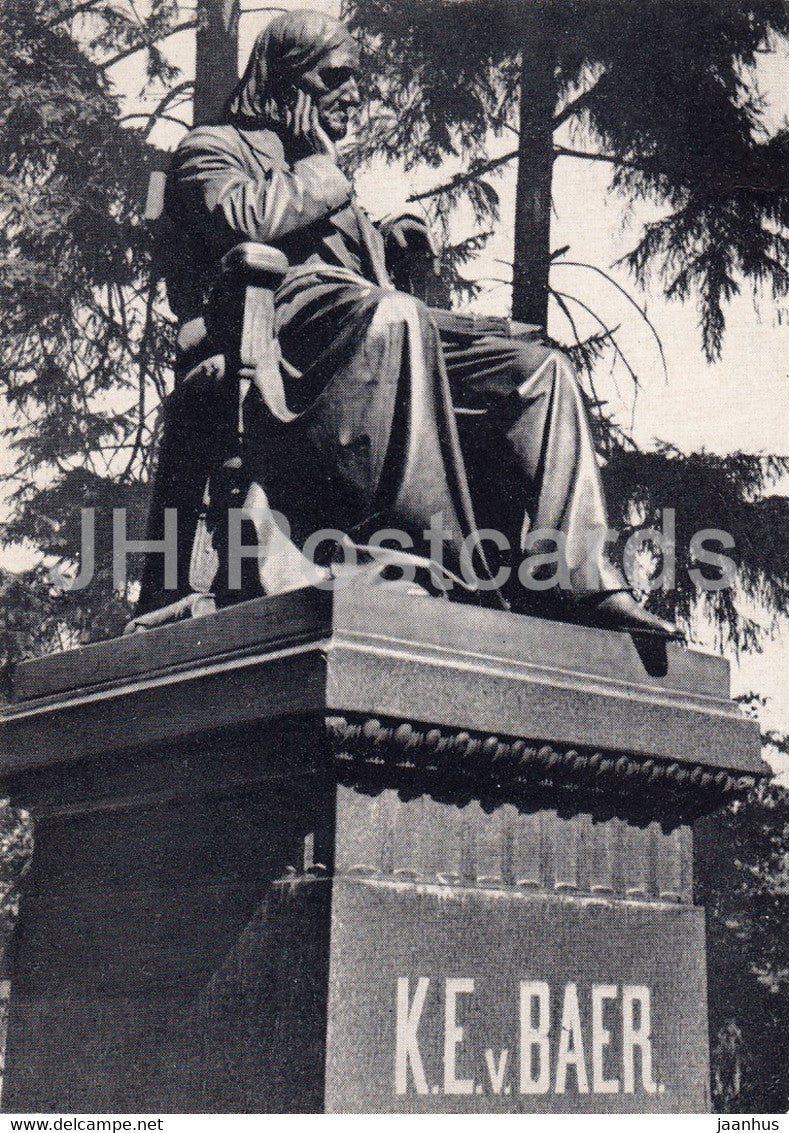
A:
x: 240, y: 312
x: 254, y: 260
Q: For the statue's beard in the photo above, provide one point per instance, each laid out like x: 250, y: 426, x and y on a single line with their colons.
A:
x: 335, y: 120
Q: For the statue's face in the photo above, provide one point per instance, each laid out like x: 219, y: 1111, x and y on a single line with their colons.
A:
x: 332, y: 86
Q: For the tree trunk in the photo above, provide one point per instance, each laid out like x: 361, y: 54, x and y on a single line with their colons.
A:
x: 216, y: 60
x: 532, y: 253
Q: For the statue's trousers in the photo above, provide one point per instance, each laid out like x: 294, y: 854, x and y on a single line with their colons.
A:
x: 393, y: 425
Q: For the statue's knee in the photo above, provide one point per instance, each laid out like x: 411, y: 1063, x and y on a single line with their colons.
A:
x: 395, y: 308
x: 564, y: 368
x: 539, y: 370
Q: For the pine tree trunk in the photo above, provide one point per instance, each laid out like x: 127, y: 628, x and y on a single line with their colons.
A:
x: 216, y: 61
x: 535, y: 172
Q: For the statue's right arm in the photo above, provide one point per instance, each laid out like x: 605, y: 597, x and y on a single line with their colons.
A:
x: 217, y: 195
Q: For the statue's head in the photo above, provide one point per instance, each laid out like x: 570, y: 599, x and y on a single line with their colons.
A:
x: 299, y: 51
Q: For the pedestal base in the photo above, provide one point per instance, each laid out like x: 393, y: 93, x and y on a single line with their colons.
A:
x: 274, y: 900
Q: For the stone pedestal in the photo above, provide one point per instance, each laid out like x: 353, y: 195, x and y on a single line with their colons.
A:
x: 360, y: 852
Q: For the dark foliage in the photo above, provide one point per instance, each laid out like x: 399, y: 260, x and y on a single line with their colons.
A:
x: 742, y: 877
x: 86, y: 339
x: 706, y: 492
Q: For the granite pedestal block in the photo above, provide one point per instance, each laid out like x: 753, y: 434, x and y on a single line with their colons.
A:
x: 360, y: 852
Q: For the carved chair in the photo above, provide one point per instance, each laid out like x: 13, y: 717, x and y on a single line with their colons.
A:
x: 239, y: 316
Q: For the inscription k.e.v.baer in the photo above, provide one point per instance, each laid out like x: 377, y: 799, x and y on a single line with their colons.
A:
x: 572, y: 1039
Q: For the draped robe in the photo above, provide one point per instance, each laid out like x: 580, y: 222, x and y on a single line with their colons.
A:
x: 379, y: 407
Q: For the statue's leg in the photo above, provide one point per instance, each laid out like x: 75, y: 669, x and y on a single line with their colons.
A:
x: 527, y: 393
x: 376, y: 443
x: 544, y: 477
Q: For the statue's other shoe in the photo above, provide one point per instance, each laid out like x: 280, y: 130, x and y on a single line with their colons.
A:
x: 619, y: 610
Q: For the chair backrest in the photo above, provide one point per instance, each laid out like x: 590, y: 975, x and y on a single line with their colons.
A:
x: 172, y: 258
x: 154, y: 200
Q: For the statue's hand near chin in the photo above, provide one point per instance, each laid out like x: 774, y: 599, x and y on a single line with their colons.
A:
x: 302, y: 120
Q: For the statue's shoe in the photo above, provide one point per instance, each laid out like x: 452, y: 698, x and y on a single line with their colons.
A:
x: 375, y: 574
x: 619, y: 610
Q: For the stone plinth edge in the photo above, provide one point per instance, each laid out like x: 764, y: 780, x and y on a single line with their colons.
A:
x: 460, y: 765
x: 455, y: 693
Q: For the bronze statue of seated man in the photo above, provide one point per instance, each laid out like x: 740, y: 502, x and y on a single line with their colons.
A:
x: 372, y: 416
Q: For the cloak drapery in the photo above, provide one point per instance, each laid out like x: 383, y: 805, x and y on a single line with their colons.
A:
x: 362, y: 432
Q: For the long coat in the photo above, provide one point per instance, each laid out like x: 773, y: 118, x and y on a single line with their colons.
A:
x: 374, y: 443
x: 229, y: 185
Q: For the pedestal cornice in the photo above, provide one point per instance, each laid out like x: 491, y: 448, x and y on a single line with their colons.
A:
x: 492, y: 702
